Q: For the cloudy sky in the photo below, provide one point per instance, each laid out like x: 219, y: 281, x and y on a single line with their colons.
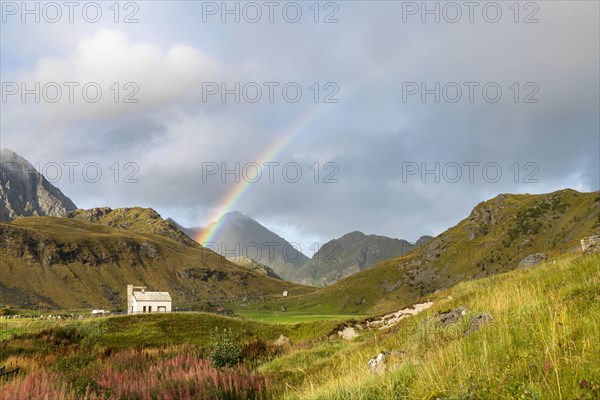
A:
x: 398, y: 124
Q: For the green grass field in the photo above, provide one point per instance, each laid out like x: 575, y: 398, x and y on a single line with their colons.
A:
x: 291, y: 317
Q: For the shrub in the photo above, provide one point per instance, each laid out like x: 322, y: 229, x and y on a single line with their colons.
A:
x: 225, y: 350
x: 62, y: 335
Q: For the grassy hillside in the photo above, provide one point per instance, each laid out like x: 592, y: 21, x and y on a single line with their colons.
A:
x: 254, y: 266
x: 69, y: 263
x: 160, y: 355
x: 497, y: 235
x: 134, y: 219
x: 543, y: 343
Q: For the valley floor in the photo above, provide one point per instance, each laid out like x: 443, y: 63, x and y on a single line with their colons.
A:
x: 542, y: 342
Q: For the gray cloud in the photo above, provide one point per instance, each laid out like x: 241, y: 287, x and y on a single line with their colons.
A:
x: 369, y: 134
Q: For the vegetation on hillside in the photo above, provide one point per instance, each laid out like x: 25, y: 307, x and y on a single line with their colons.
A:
x: 541, y: 344
x: 72, y: 264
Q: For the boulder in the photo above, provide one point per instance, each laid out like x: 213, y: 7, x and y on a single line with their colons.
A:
x: 592, y: 249
x: 478, y: 321
x: 348, y: 333
x: 532, y: 260
x: 452, y: 316
x: 282, y: 341
x: 377, y: 364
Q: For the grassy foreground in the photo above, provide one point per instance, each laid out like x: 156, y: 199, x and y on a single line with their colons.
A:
x: 543, y: 343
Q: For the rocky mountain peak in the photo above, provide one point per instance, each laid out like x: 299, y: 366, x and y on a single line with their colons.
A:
x: 25, y: 192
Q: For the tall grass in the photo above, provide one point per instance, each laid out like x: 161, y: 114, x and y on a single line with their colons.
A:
x: 543, y: 343
x: 144, y: 375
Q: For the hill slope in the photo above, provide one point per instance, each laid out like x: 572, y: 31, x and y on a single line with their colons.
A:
x: 135, y: 219
x: 71, y: 263
x: 25, y: 192
x: 497, y: 235
x: 254, y: 266
x: 351, y: 253
x: 541, y: 343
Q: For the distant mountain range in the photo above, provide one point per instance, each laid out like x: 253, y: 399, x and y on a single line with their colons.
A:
x: 350, y: 254
x: 86, y: 257
x: 25, y: 192
x: 241, y: 236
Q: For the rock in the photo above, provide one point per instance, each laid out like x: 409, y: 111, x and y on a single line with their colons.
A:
x: 592, y: 249
x: 590, y: 244
x: 532, y: 260
x: 452, y: 316
x: 256, y: 267
x: 348, y: 333
x: 91, y: 215
x: 377, y: 364
x: 587, y: 241
x: 478, y: 321
x: 282, y: 341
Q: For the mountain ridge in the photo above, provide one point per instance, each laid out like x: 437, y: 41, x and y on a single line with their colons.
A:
x: 347, y: 255
x: 311, y: 272
x: 26, y: 192
x: 496, y: 235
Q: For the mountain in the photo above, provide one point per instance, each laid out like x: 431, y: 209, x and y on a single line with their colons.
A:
x: 348, y: 255
x: 86, y: 261
x: 241, y: 236
x: 25, y: 192
x: 494, y: 238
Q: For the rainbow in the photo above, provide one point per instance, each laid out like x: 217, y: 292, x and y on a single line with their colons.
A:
x: 241, y: 189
